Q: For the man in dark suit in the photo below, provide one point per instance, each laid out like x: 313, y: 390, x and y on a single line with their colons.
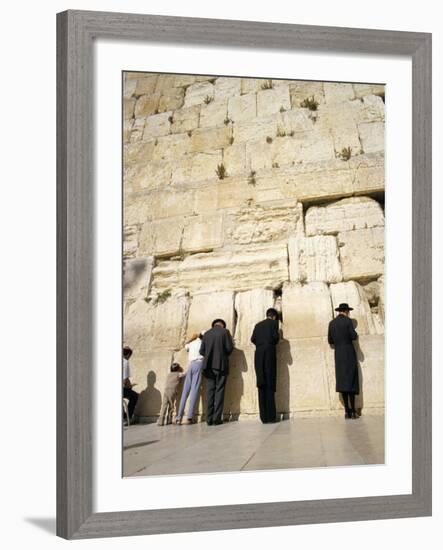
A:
x: 341, y: 334
x: 216, y: 347
x: 265, y: 338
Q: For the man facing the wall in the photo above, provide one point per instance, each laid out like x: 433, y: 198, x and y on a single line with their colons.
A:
x: 265, y: 338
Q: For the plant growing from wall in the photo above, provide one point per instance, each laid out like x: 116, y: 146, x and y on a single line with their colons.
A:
x: 275, y: 165
x: 228, y: 120
x: 160, y: 298
x: 309, y: 103
x: 171, y: 119
x: 345, y: 153
x: 269, y: 139
x: 267, y: 85
x: 251, y: 177
x: 231, y: 140
x: 208, y: 99
x: 281, y: 132
x: 221, y: 171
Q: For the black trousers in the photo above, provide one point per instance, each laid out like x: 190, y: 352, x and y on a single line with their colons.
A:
x: 266, y: 404
x: 132, y: 396
x: 215, y: 395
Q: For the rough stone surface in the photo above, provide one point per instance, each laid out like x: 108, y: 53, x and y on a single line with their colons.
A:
x: 314, y: 259
x: 292, y: 223
x: 306, y: 310
x: 344, y: 215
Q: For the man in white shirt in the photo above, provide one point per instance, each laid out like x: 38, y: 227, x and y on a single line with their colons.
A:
x: 128, y: 392
x: 192, y: 384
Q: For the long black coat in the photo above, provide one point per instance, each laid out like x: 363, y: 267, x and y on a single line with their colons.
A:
x: 265, y: 337
x: 341, y: 334
x: 216, y: 347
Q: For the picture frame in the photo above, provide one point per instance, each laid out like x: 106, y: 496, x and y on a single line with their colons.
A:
x: 76, y: 32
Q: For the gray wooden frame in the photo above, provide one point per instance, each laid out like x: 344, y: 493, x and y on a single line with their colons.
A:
x: 76, y: 31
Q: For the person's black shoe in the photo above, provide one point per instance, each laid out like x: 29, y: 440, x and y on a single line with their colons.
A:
x: 218, y: 422
x: 354, y: 415
x: 209, y: 422
x: 348, y: 415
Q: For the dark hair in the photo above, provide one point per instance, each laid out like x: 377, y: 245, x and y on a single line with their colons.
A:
x: 127, y: 352
x: 175, y: 367
x: 218, y: 321
x: 271, y: 312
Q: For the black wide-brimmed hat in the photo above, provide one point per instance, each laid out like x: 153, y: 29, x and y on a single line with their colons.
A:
x: 344, y: 307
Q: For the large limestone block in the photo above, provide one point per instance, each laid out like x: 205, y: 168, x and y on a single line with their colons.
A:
x: 197, y: 167
x: 257, y: 129
x: 362, y: 253
x: 240, y: 392
x: 164, y: 82
x: 185, y: 120
x: 205, y: 307
x: 147, y: 105
x: 171, y: 147
x: 250, y: 307
x: 297, y: 120
x: 127, y: 129
x: 242, y: 268
x: 157, y: 125
x: 226, y: 87
x: 242, y: 107
x: 251, y: 85
x: 171, y: 99
x: 203, y: 233
x: 161, y: 238
x: 269, y: 222
x: 165, y: 203
x: 344, y: 215
x: 259, y: 155
x: 137, y: 130
x: 128, y: 108
x: 373, y: 109
x: 314, y: 259
x: 149, y: 371
x: 306, y: 310
x: 183, y: 80
x: 137, y: 277
x: 213, y: 113
x: 273, y: 100
x: 159, y: 323
x: 337, y: 92
x: 348, y: 138
x: 302, y: 383
x: 234, y: 157
x: 213, y: 138
x: 372, y: 136
x: 152, y: 175
x: 353, y: 294
x: 315, y: 145
x: 301, y: 90
x: 196, y: 93
x: 145, y: 84
x: 129, y: 88
x: 140, y: 152
x: 362, y: 90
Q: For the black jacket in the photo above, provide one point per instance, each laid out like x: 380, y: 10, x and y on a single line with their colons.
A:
x: 216, y: 347
x: 265, y: 337
x: 341, y: 335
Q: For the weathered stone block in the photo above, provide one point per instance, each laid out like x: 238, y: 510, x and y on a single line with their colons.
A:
x: 183, y: 80
x: 273, y: 100
x: 128, y: 108
x: 316, y: 145
x: 198, y: 92
x: 344, y: 215
x: 127, y: 128
x: 301, y: 90
x: 171, y: 147
x: 197, y: 167
x: 157, y: 125
x: 203, y: 233
x: 256, y: 130
x: 297, y: 120
x: 137, y: 277
x: 137, y: 130
x: 242, y: 107
x: 259, y: 155
x: 129, y: 88
x: 373, y: 109
x: 353, y: 294
x: 213, y: 113
x: 152, y: 175
x: 372, y: 136
x: 147, y: 105
x: 258, y: 266
x: 205, y: 307
x: 204, y: 139
x: 234, y: 157
x: 185, y: 120
x: 250, y: 307
x: 145, y: 84
x: 314, y: 259
x: 302, y: 383
x: 338, y: 92
x: 226, y: 87
x: 362, y: 253
x: 139, y: 152
x: 362, y: 90
x: 161, y: 238
x: 165, y: 82
x: 260, y: 223
x: 171, y: 99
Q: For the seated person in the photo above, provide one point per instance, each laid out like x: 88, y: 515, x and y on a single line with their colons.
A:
x: 128, y: 392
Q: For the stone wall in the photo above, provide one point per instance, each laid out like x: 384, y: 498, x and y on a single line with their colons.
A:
x: 242, y: 194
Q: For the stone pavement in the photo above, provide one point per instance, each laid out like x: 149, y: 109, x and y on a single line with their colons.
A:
x: 250, y: 445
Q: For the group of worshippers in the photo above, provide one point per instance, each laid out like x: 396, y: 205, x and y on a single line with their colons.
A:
x: 208, y: 356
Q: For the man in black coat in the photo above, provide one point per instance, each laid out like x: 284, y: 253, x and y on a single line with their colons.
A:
x: 341, y: 334
x: 216, y: 347
x: 265, y: 338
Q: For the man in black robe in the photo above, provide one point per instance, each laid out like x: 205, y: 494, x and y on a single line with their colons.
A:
x: 216, y: 347
x: 341, y: 334
x: 265, y: 338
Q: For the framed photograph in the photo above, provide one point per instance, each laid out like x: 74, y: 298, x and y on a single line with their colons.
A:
x: 244, y: 274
